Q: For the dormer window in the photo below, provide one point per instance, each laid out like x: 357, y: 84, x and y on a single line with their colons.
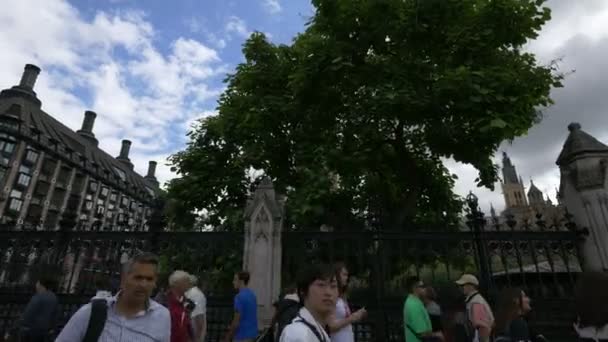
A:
x: 7, y: 147
x: 8, y: 122
x: 31, y: 156
x: 121, y: 174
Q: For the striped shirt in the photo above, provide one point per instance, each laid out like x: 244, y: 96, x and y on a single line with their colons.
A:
x: 150, y: 325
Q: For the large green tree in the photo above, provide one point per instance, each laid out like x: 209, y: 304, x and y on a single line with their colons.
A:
x: 354, y: 118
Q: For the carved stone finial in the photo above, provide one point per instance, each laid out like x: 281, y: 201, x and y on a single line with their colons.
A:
x: 266, y: 183
x: 575, y: 126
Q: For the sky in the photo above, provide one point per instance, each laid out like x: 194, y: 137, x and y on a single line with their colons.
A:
x: 150, y: 69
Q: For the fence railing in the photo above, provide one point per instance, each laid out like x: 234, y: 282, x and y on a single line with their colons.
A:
x: 540, y: 257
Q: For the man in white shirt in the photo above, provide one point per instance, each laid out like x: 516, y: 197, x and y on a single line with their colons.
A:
x: 318, y: 290
x: 198, y: 315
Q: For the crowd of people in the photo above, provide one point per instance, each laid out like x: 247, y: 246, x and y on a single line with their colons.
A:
x: 315, y: 309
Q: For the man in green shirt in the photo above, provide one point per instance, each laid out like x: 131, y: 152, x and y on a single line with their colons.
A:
x: 416, y: 321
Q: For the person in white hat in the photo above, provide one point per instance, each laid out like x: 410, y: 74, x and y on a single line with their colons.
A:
x: 480, y: 318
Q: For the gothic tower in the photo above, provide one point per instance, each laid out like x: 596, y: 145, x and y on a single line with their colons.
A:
x: 512, y: 186
x: 535, y: 196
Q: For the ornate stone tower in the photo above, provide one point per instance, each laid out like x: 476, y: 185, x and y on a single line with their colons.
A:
x: 512, y: 186
x: 535, y: 196
x: 583, y: 189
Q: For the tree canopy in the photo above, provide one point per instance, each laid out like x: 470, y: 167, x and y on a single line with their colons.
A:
x: 354, y: 118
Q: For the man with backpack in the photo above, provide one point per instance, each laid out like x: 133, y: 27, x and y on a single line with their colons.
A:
x: 480, y: 319
x: 318, y: 291
x: 286, y: 311
x: 129, y: 316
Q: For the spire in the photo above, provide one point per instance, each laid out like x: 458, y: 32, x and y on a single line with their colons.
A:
x: 535, y: 196
x: 509, y: 174
x: 492, y: 210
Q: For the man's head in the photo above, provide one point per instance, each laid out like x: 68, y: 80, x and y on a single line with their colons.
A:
x: 139, y: 277
x: 468, y: 283
x: 46, y: 282
x: 193, y: 281
x: 102, y: 283
x: 241, y: 280
x: 416, y: 287
x: 318, y: 289
x: 179, y: 282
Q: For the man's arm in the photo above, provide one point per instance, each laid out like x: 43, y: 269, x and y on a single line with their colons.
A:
x: 233, y: 326
x: 31, y: 311
x: 76, y: 327
x: 480, y: 320
x: 199, y: 327
x: 419, y: 321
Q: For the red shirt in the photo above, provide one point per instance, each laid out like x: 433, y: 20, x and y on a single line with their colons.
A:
x: 180, y: 320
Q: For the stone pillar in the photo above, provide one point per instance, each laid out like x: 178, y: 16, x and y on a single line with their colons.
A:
x: 584, y: 191
x: 262, y: 254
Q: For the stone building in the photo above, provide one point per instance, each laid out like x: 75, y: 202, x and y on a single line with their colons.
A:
x: 52, y: 177
x: 521, y: 206
x: 583, y: 189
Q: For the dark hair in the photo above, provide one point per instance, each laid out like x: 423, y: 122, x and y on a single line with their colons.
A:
x: 591, y: 299
x: 292, y: 288
x: 243, y: 276
x: 338, y: 267
x: 411, y: 283
x: 142, y: 258
x: 48, y: 281
x: 430, y: 293
x: 508, y: 307
x: 102, y: 283
x: 311, y: 274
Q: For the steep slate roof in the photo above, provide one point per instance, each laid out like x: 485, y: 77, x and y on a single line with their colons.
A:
x: 24, y: 105
x: 534, y: 189
x: 579, y: 142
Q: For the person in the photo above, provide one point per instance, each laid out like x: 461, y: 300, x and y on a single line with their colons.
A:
x: 130, y: 315
x: 416, y: 320
x: 179, y: 283
x: 244, y: 326
x: 40, y: 314
x: 318, y: 291
x: 286, y: 310
x: 591, y: 303
x: 434, y: 310
x: 512, y: 305
x: 451, y: 301
x: 480, y: 318
x: 198, y: 319
x: 102, y: 288
x: 340, y: 324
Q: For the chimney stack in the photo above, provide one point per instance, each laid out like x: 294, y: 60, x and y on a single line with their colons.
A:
x: 124, y: 153
x: 151, y: 176
x: 30, y: 74
x: 89, y: 121
x: 87, y: 127
x: 151, y: 169
x: 25, y: 89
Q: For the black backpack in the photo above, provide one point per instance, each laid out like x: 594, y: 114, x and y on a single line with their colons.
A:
x: 97, y: 320
x: 287, y: 311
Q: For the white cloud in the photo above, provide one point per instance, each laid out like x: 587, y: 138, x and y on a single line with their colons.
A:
x: 194, y: 25
x: 220, y: 43
x: 237, y: 26
x: 140, y: 91
x: 272, y: 6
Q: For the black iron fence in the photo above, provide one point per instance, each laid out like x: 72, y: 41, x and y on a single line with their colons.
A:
x: 540, y: 257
